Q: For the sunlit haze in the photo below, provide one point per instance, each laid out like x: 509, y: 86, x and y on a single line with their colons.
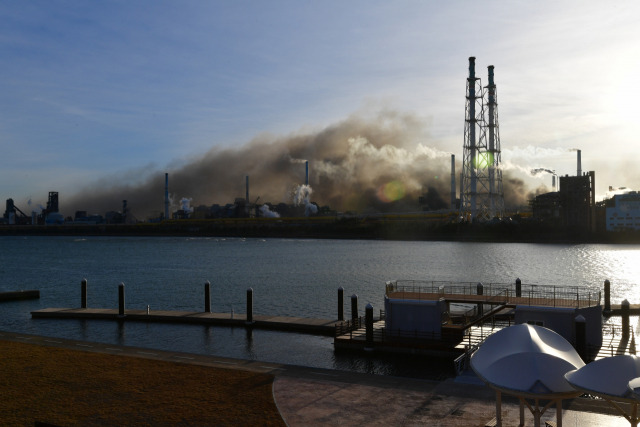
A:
x: 102, y: 98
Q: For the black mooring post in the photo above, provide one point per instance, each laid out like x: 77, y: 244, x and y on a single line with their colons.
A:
x: 625, y: 306
x: 518, y: 287
x: 340, y: 303
x: 480, y: 291
x: 83, y: 292
x: 207, y: 297
x: 368, y: 321
x: 607, y: 295
x: 354, y: 307
x: 121, y: 299
x: 250, y: 305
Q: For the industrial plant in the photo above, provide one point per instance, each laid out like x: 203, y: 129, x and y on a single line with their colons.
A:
x: 480, y: 201
x: 481, y: 195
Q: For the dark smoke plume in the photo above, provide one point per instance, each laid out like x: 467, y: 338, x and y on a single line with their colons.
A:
x: 360, y: 164
x: 516, y: 193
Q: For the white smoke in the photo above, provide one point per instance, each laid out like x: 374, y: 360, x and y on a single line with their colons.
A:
x: 541, y: 170
x: 617, y: 191
x: 508, y: 165
x: 268, y: 213
x: 185, y: 204
x: 301, y: 196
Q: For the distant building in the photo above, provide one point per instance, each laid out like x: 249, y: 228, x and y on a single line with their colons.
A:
x: 577, y: 200
x: 625, y: 214
x: 574, y: 206
x: 546, y: 207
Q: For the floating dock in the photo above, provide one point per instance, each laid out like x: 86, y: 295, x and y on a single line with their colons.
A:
x: 279, y: 323
x: 19, y: 295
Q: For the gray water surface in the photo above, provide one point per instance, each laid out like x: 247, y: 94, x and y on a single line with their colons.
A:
x: 290, y: 277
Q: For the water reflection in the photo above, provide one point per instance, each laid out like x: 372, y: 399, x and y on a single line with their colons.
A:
x: 249, y: 343
x: 289, y: 277
x: 121, y: 335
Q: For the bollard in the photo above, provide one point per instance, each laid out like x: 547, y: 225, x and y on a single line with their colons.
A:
x: 250, y: 305
x: 480, y: 291
x: 340, y: 303
x: 518, y: 287
x: 368, y: 321
x: 207, y: 297
x: 83, y: 292
x: 121, y: 300
x: 354, y: 308
x: 581, y: 336
x: 607, y: 295
x: 624, y: 305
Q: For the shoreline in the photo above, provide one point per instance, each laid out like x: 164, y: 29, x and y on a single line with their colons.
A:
x: 398, y: 229
x: 313, y: 396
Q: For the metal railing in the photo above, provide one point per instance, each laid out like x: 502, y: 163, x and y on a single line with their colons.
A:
x: 348, y: 326
x: 523, y: 294
x: 462, y: 362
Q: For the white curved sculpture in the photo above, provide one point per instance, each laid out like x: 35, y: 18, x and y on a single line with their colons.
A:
x: 528, y: 362
x: 614, y: 379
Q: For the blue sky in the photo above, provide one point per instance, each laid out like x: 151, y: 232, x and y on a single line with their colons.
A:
x: 111, y: 90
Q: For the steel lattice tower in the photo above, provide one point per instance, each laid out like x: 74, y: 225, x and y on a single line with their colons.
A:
x: 482, y: 197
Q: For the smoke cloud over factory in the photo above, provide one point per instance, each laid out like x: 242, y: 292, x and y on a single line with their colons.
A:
x: 380, y: 163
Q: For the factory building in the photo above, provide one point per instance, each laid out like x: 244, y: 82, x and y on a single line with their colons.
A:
x: 546, y: 207
x: 625, y: 214
x: 572, y: 207
x: 577, y: 201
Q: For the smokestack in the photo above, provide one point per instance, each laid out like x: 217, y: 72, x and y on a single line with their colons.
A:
x: 306, y: 173
x: 553, y: 182
x: 461, y: 187
x: 453, y: 182
x: 472, y: 67
x: 471, y: 84
x: 579, y: 162
x: 247, y: 189
x: 166, y: 196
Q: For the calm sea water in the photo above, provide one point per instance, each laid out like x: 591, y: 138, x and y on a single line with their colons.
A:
x: 289, y: 277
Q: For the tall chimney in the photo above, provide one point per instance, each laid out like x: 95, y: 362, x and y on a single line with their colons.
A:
x: 579, y: 163
x: 166, y: 196
x: 306, y: 173
x: 453, y: 182
x: 247, y: 189
x: 461, y: 187
x: 472, y: 136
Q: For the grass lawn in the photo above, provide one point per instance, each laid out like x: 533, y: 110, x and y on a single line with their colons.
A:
x: 68, y: 388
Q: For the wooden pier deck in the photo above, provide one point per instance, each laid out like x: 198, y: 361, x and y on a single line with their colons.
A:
x: 616, y: 310
x: 357, y: 340
x: 279, y: 323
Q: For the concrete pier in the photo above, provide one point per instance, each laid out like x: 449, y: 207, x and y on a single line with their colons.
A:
x: 280, y: 323
x: 19, y: 295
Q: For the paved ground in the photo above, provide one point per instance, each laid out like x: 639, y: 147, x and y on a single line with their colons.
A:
x: 320, y: 397
x: 325, y: 402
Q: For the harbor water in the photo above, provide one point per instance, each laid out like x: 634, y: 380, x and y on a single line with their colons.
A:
x: 289, y: 277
